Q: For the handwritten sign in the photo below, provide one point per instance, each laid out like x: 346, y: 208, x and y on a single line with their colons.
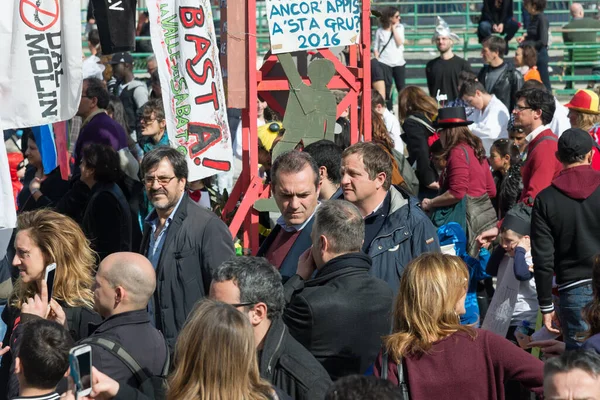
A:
x: 311, y: 24
x: 185, y: 45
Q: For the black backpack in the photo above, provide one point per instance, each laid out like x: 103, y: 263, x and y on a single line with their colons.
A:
x: 155, y: 387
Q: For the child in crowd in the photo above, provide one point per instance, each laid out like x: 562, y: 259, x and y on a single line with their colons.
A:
x: 505, y: 160
x: 512, y: 264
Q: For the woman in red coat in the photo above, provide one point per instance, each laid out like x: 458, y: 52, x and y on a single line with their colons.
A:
x: 17, y: 171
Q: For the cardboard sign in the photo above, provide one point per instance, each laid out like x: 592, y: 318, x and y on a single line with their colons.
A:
x: 40, y: 74
x: 184, y: 41
x: 312, y: 24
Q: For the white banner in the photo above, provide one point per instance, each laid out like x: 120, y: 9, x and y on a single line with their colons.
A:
x: 40, y: 67
x: 184, y: 41
x: 312, y: 24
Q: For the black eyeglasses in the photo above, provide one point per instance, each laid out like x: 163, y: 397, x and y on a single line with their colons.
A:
x: 519, y: 108
x: 246, y: 304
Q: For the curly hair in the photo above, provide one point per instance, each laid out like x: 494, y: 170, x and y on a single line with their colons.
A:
x: 61, y: 241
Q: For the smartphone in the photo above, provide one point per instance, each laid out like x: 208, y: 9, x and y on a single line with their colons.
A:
x: 49, y: 278
x: 80, y: 361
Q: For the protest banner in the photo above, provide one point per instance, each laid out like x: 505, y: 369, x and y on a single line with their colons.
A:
x: 311, y: 24
x: 185, y: 44
x: 116, y: 24
x: 40, y: 72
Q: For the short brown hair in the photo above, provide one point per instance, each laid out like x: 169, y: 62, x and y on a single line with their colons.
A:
x: 539, y: 5
x: 495, y: 44
x: 154, y: 106
x: 375, y: 159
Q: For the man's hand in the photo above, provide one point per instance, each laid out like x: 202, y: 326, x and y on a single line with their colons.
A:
x: 38, y: 305
x: 426, y: 204
x: 487, y: 237
x: 551, y: 321
x: 103, y: 388
x: 550, y: 348
x: 306, y: 264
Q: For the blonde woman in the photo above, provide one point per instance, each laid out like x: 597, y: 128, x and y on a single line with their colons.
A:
x: 215, y: 357
x: 441, y: 358
x: 45, y: 237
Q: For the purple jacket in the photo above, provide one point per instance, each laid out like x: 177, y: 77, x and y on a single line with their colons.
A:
x: 100, y: 129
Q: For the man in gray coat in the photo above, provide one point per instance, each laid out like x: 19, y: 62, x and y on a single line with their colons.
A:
x: 184, y: 242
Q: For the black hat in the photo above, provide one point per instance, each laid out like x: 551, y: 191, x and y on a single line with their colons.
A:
x: 574, y: 142
x: 122, y: 57
x: 518, y: 219
x: 451, y: 116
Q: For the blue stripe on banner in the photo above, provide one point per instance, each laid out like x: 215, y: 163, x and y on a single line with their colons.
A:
x: 44, y: 138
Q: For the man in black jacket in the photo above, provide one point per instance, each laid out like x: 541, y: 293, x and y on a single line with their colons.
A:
x: 124, y: 285
x: 565, y: 235
x: 184, y: 242
x: 341, y: 313
x: 253, y: 286
x: 497, y: 17
x: 498, y: 77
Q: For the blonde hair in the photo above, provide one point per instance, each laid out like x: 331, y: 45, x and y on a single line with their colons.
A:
x: 586, y: 121
x: 412, y: 99
x: 431, y: 286
x: 61, y: 241
x: 215, y: 357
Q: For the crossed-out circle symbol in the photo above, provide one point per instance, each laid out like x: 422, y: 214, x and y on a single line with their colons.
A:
x: 35, y: 12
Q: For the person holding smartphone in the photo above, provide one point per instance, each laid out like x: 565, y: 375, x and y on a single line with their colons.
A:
x: 45, y: 237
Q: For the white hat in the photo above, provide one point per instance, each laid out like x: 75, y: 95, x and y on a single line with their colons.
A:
x: 443, y: 30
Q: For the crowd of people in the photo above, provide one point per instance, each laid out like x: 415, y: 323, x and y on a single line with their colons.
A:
x: 430, y: 261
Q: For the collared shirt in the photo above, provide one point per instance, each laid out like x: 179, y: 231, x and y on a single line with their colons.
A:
x: 156, y: 242
x: 534, y: 133
x: 376, y: 208
x: 295, y: 228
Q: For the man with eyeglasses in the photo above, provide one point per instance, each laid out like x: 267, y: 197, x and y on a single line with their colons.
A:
x: 533, y: 113
x: 253, y: 286
x: 183, y: 242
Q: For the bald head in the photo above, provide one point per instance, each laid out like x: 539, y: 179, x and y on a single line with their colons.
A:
x: 576, y: 10
x: 134, y: 273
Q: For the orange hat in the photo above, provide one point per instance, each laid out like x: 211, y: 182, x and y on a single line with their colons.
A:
x: 585, y: 101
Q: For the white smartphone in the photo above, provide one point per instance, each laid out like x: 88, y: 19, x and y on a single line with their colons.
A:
x: 49, y: 278
x: 80, y: 360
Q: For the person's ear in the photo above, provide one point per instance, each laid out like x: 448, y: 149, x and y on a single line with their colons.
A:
x: 323, y: 245
x: 322, y: 173
x: 162, y: 124
x: 380, y: 179
x: 258, y: 313
x: 119, y: 294
x: 590, y: 156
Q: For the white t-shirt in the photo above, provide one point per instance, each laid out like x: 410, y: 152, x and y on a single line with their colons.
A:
x: 490, y: 124
x: 394, y: 130
x: 393, y: 55
x: 560, y: 121
x: 526, y: 306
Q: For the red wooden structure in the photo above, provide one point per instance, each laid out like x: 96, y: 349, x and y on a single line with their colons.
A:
x: 352, y: 78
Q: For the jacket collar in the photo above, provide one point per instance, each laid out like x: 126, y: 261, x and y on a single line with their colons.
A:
x: 341, y: 265
x: 126, y: 318
x: 273, y: 346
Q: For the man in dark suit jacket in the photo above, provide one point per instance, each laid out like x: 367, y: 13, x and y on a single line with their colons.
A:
x: 295, y: 185
x: 184, y: 242
x: 341, y: 314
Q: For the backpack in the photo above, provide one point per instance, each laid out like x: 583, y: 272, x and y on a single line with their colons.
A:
x: 155, y: 387
x: 407, y: 172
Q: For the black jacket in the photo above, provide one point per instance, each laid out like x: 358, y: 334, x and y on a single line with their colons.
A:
x: 341, y: 314
x: 415, y: 135
x: 133, y: 331
x: 565, y: 231
x: 494, y: 15
x: 290, y: 367
x: 507, y: 85
x: 107, y: 220
x: 196, y: 242
x: 78, y: 319
x: 508, y: 189
x: 53, y: 188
